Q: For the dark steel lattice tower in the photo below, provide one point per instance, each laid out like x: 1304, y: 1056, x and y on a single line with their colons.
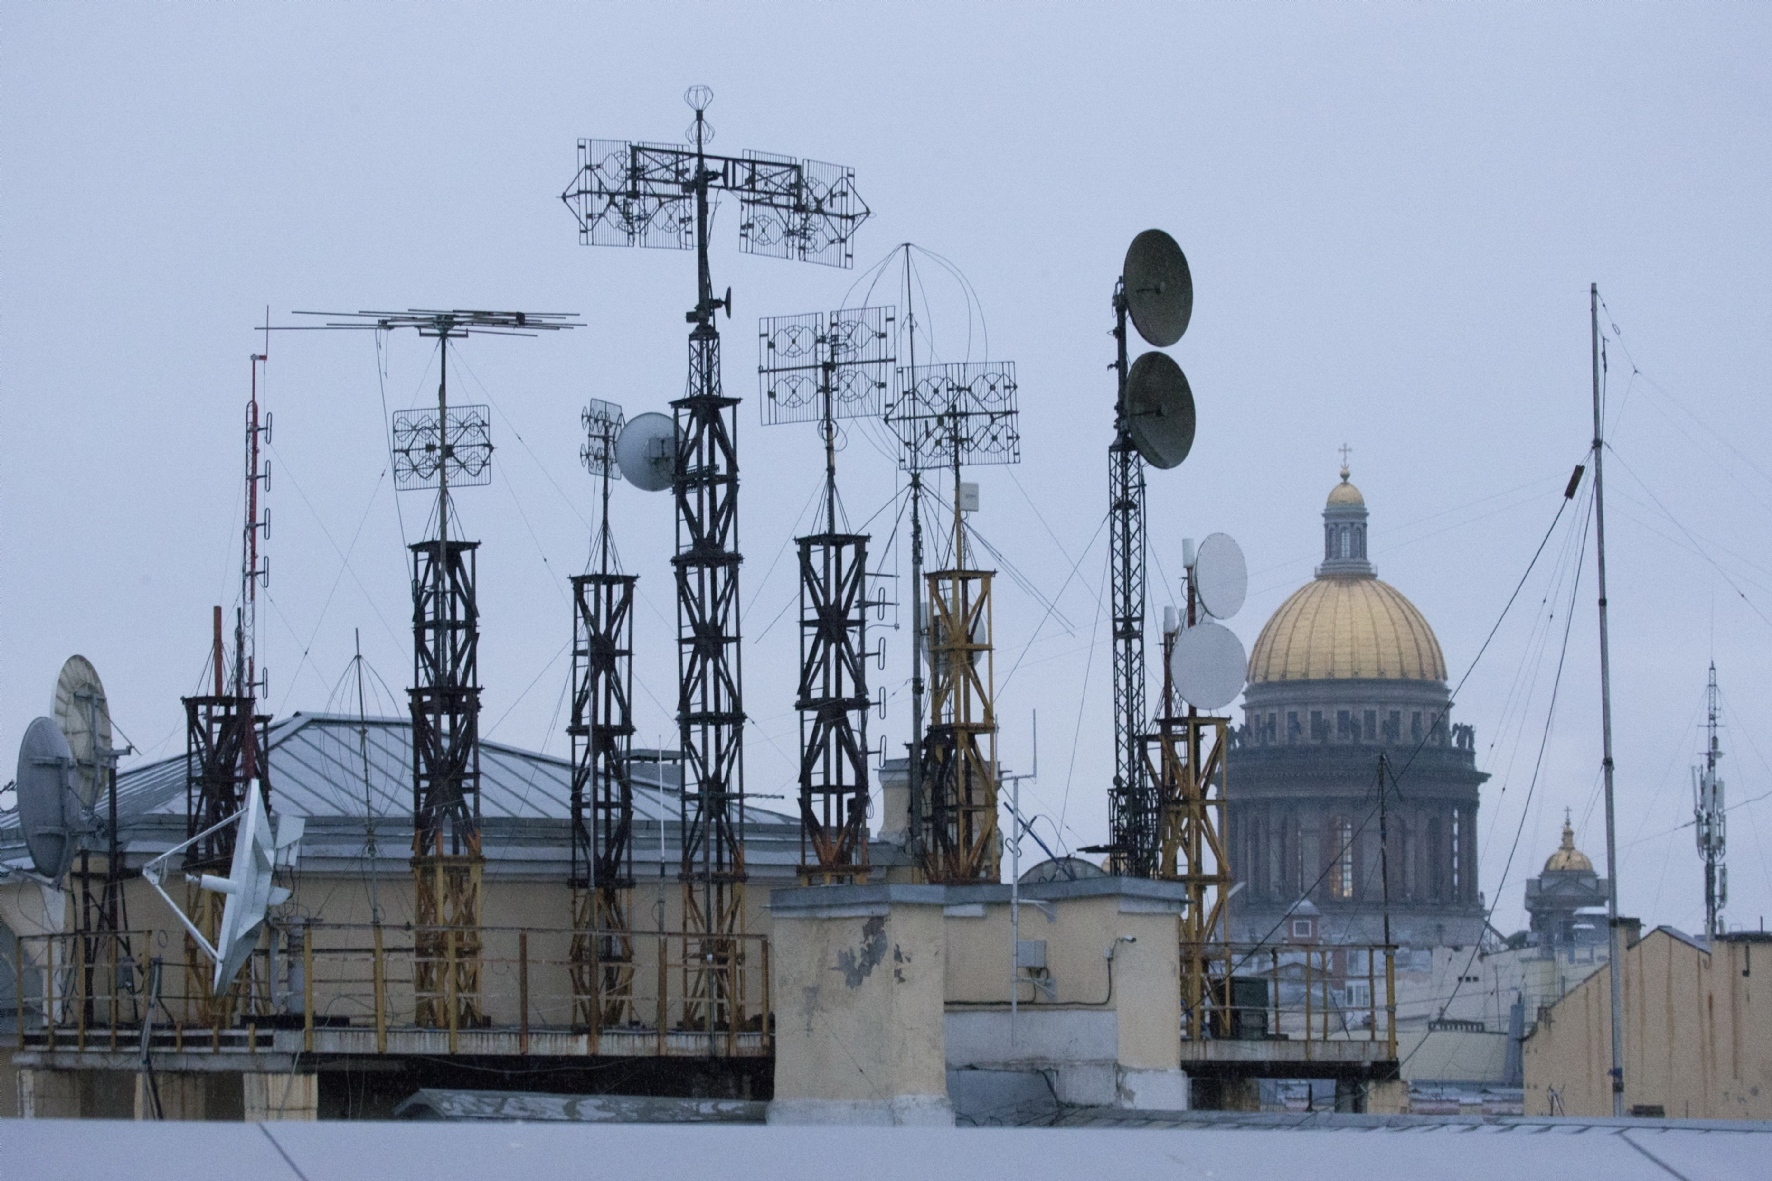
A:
x: 601, y: 728
x: 822, y: 368
x: 629, y: 194
x: 1132, y: 814
x: 226, y: 741
x: 441, y: 449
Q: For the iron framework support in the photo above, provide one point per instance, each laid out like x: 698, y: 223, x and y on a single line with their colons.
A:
x: 446, y: 856
x: 602, y: 799
x: 960, y: 751
x: 833, y: 704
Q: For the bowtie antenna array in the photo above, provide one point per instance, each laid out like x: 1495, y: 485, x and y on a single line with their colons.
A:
x: 951, y: 414
x: 664, y: 195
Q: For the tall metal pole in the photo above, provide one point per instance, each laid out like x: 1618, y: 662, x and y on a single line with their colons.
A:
x: 1614, y: 966
x: 914, y: 827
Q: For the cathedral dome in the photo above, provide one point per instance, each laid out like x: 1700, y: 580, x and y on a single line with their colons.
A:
x: 1568, y: 859
x: 1339, y: 628
x: 1346, y: 625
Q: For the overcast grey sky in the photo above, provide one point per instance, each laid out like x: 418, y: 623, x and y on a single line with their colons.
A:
x: 1392, y: 215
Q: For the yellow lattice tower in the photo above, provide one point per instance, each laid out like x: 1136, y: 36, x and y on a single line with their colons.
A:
x: 960, y: 753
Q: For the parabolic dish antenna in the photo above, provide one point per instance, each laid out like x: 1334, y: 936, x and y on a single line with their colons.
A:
x: 646, y: 451
x: 1159, y: 410
x: 1159, y: 288
x: 1221, y: 576
x: 81, y: 711
x: 48, y: 808
x: 1208, y: 664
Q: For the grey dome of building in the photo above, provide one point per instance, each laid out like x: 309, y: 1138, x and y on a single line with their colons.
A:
x: 1345, y: 671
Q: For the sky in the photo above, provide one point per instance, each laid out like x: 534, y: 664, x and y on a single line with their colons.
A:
x: 1392, y: 214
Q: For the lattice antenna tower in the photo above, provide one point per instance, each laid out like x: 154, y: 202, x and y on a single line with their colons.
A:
x: 822, y: 367
x: 440, y: 449
x: 1710, y: 817
x: 948, y: 415
x: 639, y: 194
x: 226, y: 739
x: 601, y: 729
x: 1155, y: 293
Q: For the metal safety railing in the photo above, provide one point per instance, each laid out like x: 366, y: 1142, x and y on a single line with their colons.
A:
x: 1296, y: 993
x: 373, y: 988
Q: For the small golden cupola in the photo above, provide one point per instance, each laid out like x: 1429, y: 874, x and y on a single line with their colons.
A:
x: 1568, y: 859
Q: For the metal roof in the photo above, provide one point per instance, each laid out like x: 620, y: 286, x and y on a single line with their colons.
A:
x: 347, y: 774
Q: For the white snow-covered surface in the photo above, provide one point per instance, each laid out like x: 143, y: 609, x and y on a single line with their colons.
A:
x: 63, y: 1150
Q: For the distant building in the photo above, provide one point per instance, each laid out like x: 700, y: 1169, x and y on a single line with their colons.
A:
x: 1567, y: 902
x: 1346, y: 670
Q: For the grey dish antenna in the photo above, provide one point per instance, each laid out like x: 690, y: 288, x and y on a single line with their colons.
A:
x: 1159, y: 410
x: 646, y: 451
x: 48, y: 804
x: 247, y: 887
x: 1208, y: 664
x: 1221, y: 576
x: 84, y: 716
x: 1159, y: 288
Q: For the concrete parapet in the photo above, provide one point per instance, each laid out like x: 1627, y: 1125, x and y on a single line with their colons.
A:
x: 857, y: 976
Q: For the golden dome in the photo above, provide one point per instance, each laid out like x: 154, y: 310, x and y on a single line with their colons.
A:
x: 1338, y: 628
x: 1345, y: 493
x: 1568, y: 859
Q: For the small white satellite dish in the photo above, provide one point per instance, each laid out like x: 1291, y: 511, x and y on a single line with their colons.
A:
x: 248, y: 887
x: 646, y: 451
x: 1221, y: 576
x: 48, y: 805
x: 1208, y: 664
x: 81, y: 711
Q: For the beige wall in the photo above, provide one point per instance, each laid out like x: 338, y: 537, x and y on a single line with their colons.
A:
x: 1697, y: 1034
x: 859, y: 1015
x: 1145, y: 996
x: 340, y: 906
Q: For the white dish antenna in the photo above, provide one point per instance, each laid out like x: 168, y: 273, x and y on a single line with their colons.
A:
x: 646, y: 451
x: 84, y: 716
x: 248, y: 887
x: 1221, y: 576
x: 1208, y: 664
x: 48, y: 805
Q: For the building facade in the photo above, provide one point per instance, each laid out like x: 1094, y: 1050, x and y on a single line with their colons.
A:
x: 1345, y: 673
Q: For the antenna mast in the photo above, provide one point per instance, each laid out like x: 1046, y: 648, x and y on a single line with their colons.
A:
x: 1615, y: 952
x: 226, y: 739
x: 951, y: 414
x: 634, y: 194
x: 601, y: 729
x: 441, y: 448
x: 1710, y: 817
x: 824, y: 367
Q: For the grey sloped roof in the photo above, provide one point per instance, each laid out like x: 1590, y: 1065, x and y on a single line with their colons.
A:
x: 326, y: 765
x: 339, y: 771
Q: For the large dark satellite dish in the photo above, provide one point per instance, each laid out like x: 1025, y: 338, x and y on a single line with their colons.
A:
x: 646, y: 451
x: 48, y: 808
x: 1159, y: 288
x: 1159, y: 410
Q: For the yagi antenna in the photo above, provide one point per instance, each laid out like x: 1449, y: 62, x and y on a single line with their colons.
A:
x: 247, y: 888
